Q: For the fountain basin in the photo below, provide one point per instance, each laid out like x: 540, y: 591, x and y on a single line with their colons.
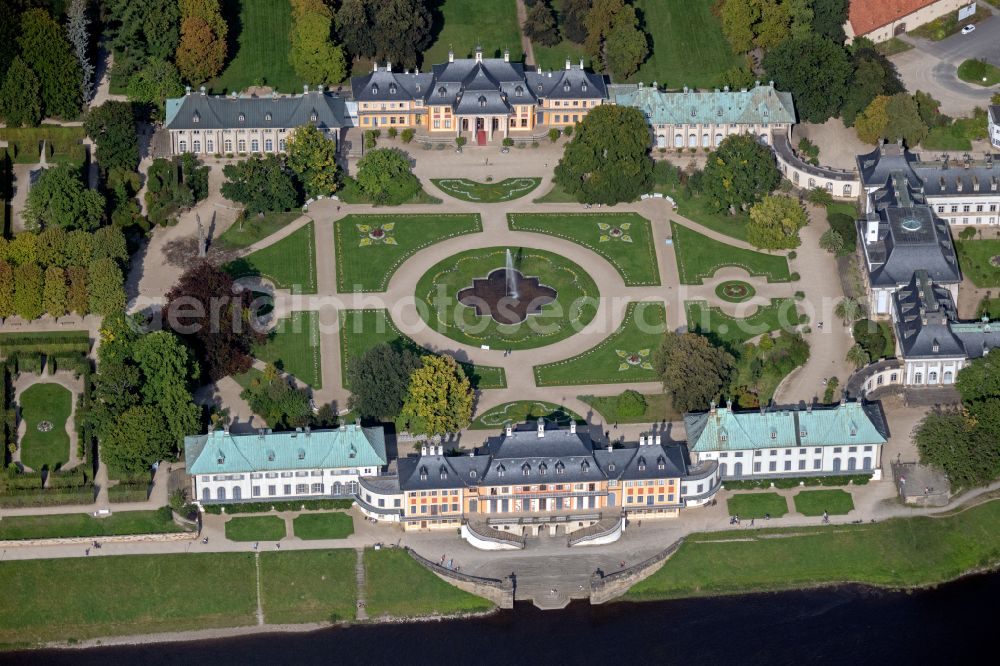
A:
x: 507, y: 296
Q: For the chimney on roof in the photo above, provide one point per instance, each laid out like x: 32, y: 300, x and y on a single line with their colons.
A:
x: 479, y: 53
x: 572, y: 427
x: 305, y: 88
x: 375, y: 66
x: 202, y: 91
x: 308, y: 431
x: 610, y: 447
x: 771, y: 83
x: 657, y: 440
x: 506, y: 55
x: 581, y: 64
x: 508, y: 431
x: 541, y: 427
x: 843, y: 397
x: 423, y: 449
x: 569, y: 65
x: 440, y: 449
x: 451, y: 55
x: 357, y: 422
x: 756, y: 83
x: 388, y: 65
x: 725, y: 88
x: 711, y: 407
x: 729, y: 404
x: 642, y: 440
x: 187, y: 90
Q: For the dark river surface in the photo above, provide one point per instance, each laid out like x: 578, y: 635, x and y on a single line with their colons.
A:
x: 953, y: 624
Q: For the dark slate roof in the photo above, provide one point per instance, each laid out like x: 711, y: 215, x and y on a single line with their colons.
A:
x: 384, y: 85
x: 570, y: 83
x: 910, y: 237
x: 288, y: 111
x: 431, y: 472
x: 525, y: 457
x: 482, y: 101
x: 456, y: 82
x: 940, y: 177
x: 652, y: 461
x: 927, y: 324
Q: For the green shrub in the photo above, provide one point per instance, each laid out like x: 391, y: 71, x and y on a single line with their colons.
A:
x: 58, y: 343
x: 631, y: 404
x: 568, y: 130
x: 407, y: 135
x: 265, y: 507
x: 554, y: 134
x: 665, y: 173
x: 794, y: 277
x: 129, y: 492
x: 786, y: 483
x: 508, y: 142
x: 392, y: 132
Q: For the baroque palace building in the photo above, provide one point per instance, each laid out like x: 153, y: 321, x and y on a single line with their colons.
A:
x: 482, y: 98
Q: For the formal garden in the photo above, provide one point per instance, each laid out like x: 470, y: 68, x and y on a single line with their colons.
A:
x: 293, y: 346
x: 290, y: 263
x: 513, y: 298
x: 45, y: 410
x: 369, y: 248
x: 757, y: 505
x: 699, y: 257
x: 781, y: 314
x: 818, y: 502
x: 521, y: 411
x: 624, y: 239
x: 507, y: 189
x: 980, y: 261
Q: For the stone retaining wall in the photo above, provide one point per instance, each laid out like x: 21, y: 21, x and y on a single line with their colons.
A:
x: 83, y: 541
x: 606, y: 588
x: 500, y: 592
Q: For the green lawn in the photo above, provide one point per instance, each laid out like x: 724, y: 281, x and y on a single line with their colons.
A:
x: 974, y: 258
x: 623, y: 357
x: 697, y: 209
x: 521, y: 411
x: 254, y: 229
x: 755, y: 505
x: 293, y: 346
x: 699, y: 257
x: 507, y: 189
x: 255, y: 528
x: 51, y: 403
x: 714, y: 323
x: 687, y: 46
x: 290, y: 263
x: 258, y: 54
x: 815, y: 502
x: 554, y: 57
x: 979, y: 72
x: 575, y: 304
x: 308, y: 586
x: 396, y: 585
x: 46, y: 342
x: 897, y: 552
x: 989, y: 307
x: 555, y: 195
x: 624, y: 239
x: 86, y: 597
x: 85, y: 525
x: 658, y: 408
x: 467, y: 23
x: 891, y: 47
x: 947, y: 137
x: 323, y: 526
x: 363, y: 329
x: 364, y: 264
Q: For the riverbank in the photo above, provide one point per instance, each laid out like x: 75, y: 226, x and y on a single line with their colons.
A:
x: 900, y: 553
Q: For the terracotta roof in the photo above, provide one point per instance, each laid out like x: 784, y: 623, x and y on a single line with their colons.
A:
x: 867, y: 15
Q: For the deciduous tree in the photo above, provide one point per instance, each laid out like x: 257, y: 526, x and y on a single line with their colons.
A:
x: 775, y: 222
x: 384, y: 176
x: 260, y: 184
x: 607, y: 161
x: 313, y: 54
x: 153, y: 84
x: 379, y: 380
x: 354, y: 28
x: 626, y: 46
x: 28, y: 286
x: 112, y: 127
x: 76, y: 298
x: 739, y: 172
x: 20, y: 96
x: 832, y: 241
x: 205, y: 310
x: 313, y: 158
x: 59, y: 197
x: 439, y: 398
x: 105, y: 287
x: 829, y: 17
x: 49, y: 55
x: 947, y: 440
x: 816, y: 70
x: 54, y: 298
x: 540, y: 25
x: 78, y: 33
x: 6, y: 289
x: 401, y: 30
x: 201, y: 52
x: 168, y: 369
x: 136, y: 439
x: 573, y: 20
x: 694, y: 372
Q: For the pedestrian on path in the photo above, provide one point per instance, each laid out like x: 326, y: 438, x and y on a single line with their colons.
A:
x: 88, y: 552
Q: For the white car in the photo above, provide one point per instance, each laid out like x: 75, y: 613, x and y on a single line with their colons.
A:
x: 967, y: 29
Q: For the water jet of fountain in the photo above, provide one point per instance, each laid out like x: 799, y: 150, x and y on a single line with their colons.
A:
x: 511, y: 280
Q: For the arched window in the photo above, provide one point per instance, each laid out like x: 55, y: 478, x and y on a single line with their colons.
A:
x: 220, y: 494
x: 237, y: 493
x: 836, y: 464
x: 392, y: 88
x: 229, y: 145
x: 196, y: 117
x: 206, y: 495
x: 268, y: 145
x: 847, y: 190
x: 254, y: 145
x: 932, y: 377
x: 267, y: 117
x: 183, y: 146
x: 948, y: 377
x: 852, y: 464
x: 692, y: 141
x: 738, y: 470
x: 723, y: 469
x: 718, y: 138
x: 583, y: 86
x: 867, y: 464
x: 374, y: 89
x: 705, y: 141
x: 764, y: 139
x: 242, y: 118
x: 442, y: 91
x: 518, y: 91
x: 482, y: 101
x: 313, y: 117
x: 566, y: 87
x: 338, y: 488
x: 829, y: 188
x: 241, y: 145
x: 678, y: 141
x: 812, y: 183
x: 918, y: 378
x: 795, y: 177
x: 661, y: 141
x: 197, y: 146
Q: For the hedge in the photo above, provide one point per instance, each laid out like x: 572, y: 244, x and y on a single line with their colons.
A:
x: 264, y: 507
x: 62, y: 144
x: 794, y: 482
x: 128, y: 492
x: 51, y: 344
x: 39, y: 497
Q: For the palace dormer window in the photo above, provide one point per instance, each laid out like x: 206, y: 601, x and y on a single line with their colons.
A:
x: 542, y: 469
x: 585, y: 466
x: 611, y: 467
x: 774, y: 434
x: 566, y: 87
x: 642, y: 464
x: 560, y: 468
x: 442, y: 91
x: 472, y: 473
x: 392, y: 89
x: 660, y: 463
x: 242, y: 118
x: 270, y: 456
x: 374, y: 89
x: 518, y: 91
x: 312, y: 116
x: 423, y: 473
x: 221, y: 459
x: 196, y: 118
x: 444, y: 472
x: 482, y: 101
x: 267, y: 117
x: 525, y: 469
x: 302, y: 454
x: 501, y: 470
x: 583, y: 87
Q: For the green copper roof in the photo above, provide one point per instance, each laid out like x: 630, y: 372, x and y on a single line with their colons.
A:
x: 759, y: 105
x: 220, y: 452
x: 844, y: 425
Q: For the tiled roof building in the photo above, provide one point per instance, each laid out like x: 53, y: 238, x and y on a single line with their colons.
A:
x: 846, y: 438
x: 880, y: 20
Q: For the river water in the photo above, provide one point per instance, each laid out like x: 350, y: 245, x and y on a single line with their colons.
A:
x: 952, y: 624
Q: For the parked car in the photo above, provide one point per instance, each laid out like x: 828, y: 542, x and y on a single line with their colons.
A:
x: 967, y: 29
